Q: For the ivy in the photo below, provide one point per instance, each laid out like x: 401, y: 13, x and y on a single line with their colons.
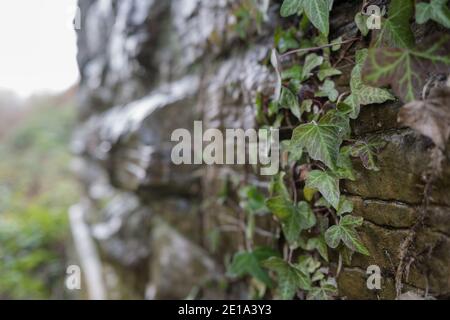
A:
x: 404, y: 69
x: 436, y: 10
x: 396, y: 29
x: 290, y: 277
x: 345, y: 231
x: 318, y: 12
x: 362, y: 94
x: 327, y: 184
x: 315, y: 222
x: 251, y: 263
x: 321, y: 140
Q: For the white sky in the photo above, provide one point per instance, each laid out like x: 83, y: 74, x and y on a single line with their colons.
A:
x: 37, y: 45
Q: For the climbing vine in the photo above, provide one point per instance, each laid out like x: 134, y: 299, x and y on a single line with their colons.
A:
x: 316, y: 220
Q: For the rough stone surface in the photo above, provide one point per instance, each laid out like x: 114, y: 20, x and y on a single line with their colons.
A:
x: 149, y: 67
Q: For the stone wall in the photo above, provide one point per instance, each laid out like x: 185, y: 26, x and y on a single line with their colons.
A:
x: 149, y: 67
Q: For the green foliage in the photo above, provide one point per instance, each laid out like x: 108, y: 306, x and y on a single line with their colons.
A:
x: 253, y: 201
x: 312, y: 61
x: 321, y: 140
x: 345, y: 231
x: 327, y: 184
x: 290, y: 277
x: 35, y: 194
x: 363, y: 94
x: 361, y: 23
x: 436, y: 10
x: 404, y: 69
x: 367, y: 151
x: 396, y: 29
x: 318, y: 12
x: 289, y: 101
x: 328, y: 90
x: 251, y: 263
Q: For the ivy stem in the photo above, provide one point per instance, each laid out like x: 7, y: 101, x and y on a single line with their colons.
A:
x: 317, y: 48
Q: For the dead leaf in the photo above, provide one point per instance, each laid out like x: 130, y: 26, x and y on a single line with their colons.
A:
x: 430, y: 117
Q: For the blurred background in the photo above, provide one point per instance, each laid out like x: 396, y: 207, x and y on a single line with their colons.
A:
x: 38, y: 79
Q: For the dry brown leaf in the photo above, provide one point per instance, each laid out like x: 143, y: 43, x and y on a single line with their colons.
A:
x: 430, y: 117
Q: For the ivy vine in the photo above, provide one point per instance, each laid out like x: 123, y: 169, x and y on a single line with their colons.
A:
x: 315, y: 219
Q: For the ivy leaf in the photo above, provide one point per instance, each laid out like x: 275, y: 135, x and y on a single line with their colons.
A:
x: 251, y: 263
x: 363, y: 94
x: 312, y: 61
x: 321, y: 140
x: 344, y: 165
x: 288, y: 100
x: 345, y: 206
x: 436, y: 10
x: 291, y: 7
x: 302, y: 218
x: 366, y: 94
x: 328, y: 90
x: 345, y: 232
x: 430, y: 117
x: 320, y: 245
x: 327, y: 184
x: 339, y: 119
x: 294, y: 72
x: 361, y: 23
x: 318, y: 12
x: 405, y: 70
x: 290, y: 278
x: 278, y: 187
x: 366, y: 151
x: 253, y: 201
x: 324, y: 292
x: 327, y: 71
x: 281, y: 207
x: 294, y: 218
x: 396, y: 30
x: 306, y: 106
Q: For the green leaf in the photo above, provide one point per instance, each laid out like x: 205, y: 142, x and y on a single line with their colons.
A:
x: 291, y: 7
x: 321, y: 140
x: 363, y: 94
x: 306, y: 106
x: 318, y: 12
x: 324, y: 292
x: 405, y: 70
x: 436, y: 10
x: 361, y: 23
x: 328, y: 90
x: 250, y: 263
x: 281, y: 207
x: 344, y: 165
x: 396, y: 29
x: 336, y: 44
x: 333, y: 236
x: 345, y: 206
x: 288, y: 100
x: 312, y: 61
x: 339, y: 119
x: 253, y: 200
x: 327, y: 184
x: 294, y: 218
x: 290, y: 278
x: 366, y: 151
x: 294, y: 72
x: 320, y: 245
x: 278, y: 186
x: 327, y: 71
x: 345, y: 231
